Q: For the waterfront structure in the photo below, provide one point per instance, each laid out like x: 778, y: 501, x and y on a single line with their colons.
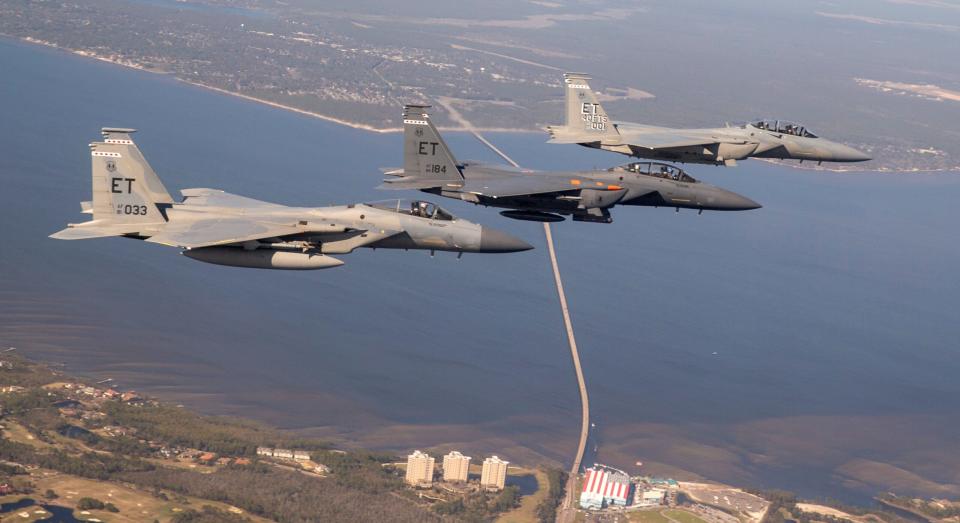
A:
x: 650, y: 498
x: 494, y: 473
x: 456, y: 467
x: 419, y: 469
x: 604, y: 487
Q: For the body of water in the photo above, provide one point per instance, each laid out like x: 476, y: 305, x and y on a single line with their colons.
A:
x: 810, y: 345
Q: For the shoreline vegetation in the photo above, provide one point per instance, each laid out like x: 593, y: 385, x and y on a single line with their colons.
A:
x: 72, y: 444
x: 809, y: 166
x: 75, y: 445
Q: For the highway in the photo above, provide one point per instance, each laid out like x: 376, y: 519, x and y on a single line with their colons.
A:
x: 567, y: 512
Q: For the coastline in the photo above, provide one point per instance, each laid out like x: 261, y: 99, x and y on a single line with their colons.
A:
x: 277, y: 105
x: 442, y: 101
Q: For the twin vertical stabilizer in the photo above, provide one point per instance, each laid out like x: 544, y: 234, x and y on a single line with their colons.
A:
x: 585, y: 120
x: 427, y: 160
x: 128, y: 196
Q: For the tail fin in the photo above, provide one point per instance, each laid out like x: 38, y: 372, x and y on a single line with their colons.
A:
x: 125, y: 188
x: 128, y: 197
x: 585, y: 120
x: 426, y: 157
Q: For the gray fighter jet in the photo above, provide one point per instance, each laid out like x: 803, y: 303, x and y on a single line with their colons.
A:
x: 129, y: 200
x: 546, y: 196
x: 587, y: 124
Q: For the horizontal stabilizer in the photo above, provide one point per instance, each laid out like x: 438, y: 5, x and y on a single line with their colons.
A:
x: 89, y: 230
x: 565, y: 135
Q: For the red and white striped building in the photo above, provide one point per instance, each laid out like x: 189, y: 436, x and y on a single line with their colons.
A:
x: 604, y: 487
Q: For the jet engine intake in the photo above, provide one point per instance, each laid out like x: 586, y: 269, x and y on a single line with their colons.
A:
x: 600, y: 198
x: 735, y: 151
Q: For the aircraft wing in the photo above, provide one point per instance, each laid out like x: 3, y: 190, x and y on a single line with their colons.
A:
x: 410, y: 182
x: 219, y: 231
x: 668, y: 140
x: 218, y: 198
x: 518, y: 186
x: 231, y: 228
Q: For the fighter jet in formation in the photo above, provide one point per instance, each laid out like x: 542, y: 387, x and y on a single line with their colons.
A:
x: 546, y: 196
x: 587, y: 124
x: 129, y: 200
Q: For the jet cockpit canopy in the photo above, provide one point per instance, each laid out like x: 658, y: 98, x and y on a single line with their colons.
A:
x: 421, y: 208
x: 657, y: 170
x: 784, y: 127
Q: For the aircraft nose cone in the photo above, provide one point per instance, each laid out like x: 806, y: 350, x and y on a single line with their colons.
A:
x: 492, y: 240
x: 746, y: 204
x: 845, y: 153
x: 731, y: 201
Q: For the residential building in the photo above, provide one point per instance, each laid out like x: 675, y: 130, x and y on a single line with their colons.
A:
x: 456, y: 467
x: 264, y: 451
x: 301, y: 455
x: 419, y: 469
x: 494, y: 473
x: 130, y: 396
x: 283, y: 453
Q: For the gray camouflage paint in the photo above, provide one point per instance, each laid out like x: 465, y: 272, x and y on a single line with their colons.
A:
x: 213, y: 226
x: 430, y: 166
x: 587, y: 123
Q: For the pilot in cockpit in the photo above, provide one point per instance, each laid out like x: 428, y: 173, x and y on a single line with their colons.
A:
x: 419, y: 209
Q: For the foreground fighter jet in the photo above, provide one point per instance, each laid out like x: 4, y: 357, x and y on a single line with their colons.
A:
x: 587, y: 124
x: 212, y: 226
x: 545, y: 196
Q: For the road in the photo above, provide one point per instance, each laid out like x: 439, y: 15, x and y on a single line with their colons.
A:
x: 567, y: 512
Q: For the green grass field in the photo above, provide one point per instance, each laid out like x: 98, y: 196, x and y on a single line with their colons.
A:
x: 527, y: 511
x: 682, y: 516
x: 647, y: 516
